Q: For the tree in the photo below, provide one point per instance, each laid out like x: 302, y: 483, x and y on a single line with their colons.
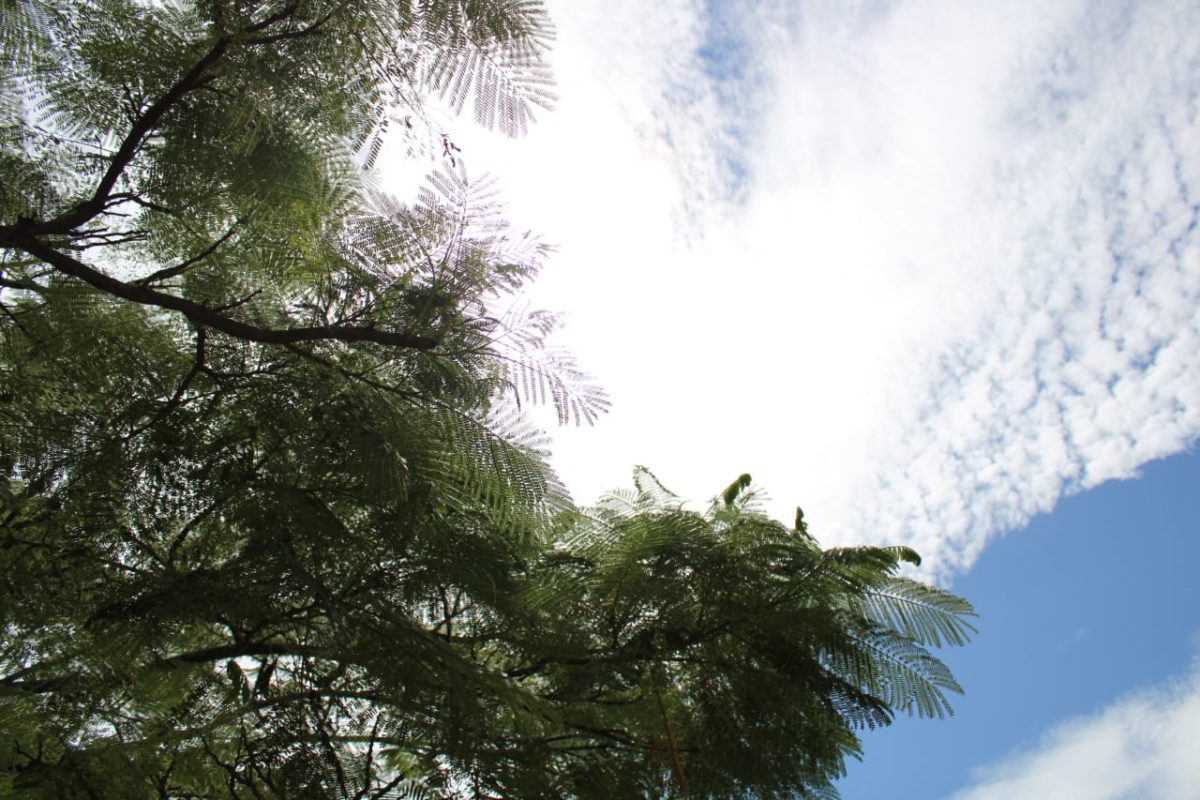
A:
x: 272, y: 521
x: 717, y: 654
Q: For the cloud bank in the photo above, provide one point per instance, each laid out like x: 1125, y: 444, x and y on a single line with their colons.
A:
x: 1081, y: 366
x: 1141, y: 747
x: 922, y: 266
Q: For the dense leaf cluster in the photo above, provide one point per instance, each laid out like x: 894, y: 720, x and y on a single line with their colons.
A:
x: 272, y: 523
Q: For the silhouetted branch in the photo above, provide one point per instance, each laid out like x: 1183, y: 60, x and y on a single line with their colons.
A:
x: 201, y: 315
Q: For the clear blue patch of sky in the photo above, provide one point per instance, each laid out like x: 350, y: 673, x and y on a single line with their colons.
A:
x: 727, y: 57
x: 726, y: 54
x: 1089, y: 603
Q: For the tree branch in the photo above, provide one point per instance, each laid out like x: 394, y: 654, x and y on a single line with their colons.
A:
x: 129, y: 197
x: 143, y: 125
x: 201, y: 315
x: 141, y: 128
x: 296, y: 34
x: 177, y: 398
x: 18, y: 681
x: 171, y: 272
x: 237, y: 650
x: 13, y: 318
x: 278, y: 16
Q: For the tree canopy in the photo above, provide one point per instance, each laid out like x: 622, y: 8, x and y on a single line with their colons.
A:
x: 272, y: 520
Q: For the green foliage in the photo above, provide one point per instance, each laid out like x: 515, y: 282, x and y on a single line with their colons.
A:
x: 723, y: 654
x: 272, y: 521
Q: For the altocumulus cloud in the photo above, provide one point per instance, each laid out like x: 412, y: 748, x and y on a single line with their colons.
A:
x: 1082, y: 365
x: 1140, y: 748
x: 926, y: 266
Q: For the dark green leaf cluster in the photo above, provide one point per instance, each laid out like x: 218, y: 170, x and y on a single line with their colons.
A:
x: 723, y: 654
x: 280, y: 525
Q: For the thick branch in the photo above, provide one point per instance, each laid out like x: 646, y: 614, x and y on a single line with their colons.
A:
x: 238, y: 650
x: 203, y: 315
x: 206, y: 655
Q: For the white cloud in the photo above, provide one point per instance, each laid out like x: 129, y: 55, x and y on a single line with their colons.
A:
x: 1142, y: 747
x: 924, y: 266
x: 1081, y: 366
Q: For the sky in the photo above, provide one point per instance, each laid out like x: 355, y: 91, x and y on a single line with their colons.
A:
x: 931, y: 269
x: 1083, y: 682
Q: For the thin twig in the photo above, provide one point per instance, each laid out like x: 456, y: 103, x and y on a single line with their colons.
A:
x: 171, y: 272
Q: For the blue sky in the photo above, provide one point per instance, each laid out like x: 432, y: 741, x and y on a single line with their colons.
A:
x: 931, y: 270
x: 1086, y: 605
